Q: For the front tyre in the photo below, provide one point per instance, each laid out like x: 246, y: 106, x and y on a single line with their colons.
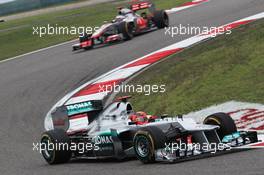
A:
x: 146, y: 141
x: 224, y: 121
x: 127, y: 30
x: 55, y: 146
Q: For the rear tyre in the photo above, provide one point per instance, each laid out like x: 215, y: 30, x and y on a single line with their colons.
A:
x: 146, y: 141
x: 50, y: 150
x: 161, y: 19
x: 127, y: 30
x: 226, y: 123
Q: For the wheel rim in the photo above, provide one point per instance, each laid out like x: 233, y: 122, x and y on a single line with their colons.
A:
x: 46, y: 152
x: 142, y: 146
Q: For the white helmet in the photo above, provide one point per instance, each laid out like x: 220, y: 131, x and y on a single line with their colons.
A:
x: 125, y: 11
x: 119, y: 18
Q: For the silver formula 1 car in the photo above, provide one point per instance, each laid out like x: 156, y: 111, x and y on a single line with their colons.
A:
x: 89, y: 130
x: 141, y: 16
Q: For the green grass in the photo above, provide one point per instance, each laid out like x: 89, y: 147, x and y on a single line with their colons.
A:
x: 16, y: 35
x: 28, y: 5
x: 229, y: 67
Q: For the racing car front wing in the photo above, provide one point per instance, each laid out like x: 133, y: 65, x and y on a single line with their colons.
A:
x: 183, y: 151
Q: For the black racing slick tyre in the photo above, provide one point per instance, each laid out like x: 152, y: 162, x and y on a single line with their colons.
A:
x: 226, y: 123
x: 161, y: 19
x: 127, y: 30
x: 146, y: 141
x: 55, y: 146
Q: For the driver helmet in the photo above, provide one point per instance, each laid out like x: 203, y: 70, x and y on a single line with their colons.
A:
x: 119, y: 18
x: 125, y: 11
x: 139, y: 117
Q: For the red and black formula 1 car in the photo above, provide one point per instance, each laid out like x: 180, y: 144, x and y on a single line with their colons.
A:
x: 139, y: 17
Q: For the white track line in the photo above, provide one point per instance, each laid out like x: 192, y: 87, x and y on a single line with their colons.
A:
x: 36, y: 51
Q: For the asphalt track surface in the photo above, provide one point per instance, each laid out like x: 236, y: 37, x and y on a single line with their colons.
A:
x: 30, y: 85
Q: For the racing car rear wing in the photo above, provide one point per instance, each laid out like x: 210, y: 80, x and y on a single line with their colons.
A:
x: 140, y: 5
